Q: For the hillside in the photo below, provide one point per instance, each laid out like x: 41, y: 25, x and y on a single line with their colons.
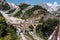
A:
x: 26, y: 22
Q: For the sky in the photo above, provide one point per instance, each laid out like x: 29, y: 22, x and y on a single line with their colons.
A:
x: 33, y: 2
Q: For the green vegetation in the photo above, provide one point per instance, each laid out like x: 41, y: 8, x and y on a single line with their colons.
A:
x: 29, y: 13
x: 18, y: 14
x: 28, y: 35
x: 11, y: 11
x: 4, y: 6
x: 47, y: 28
x: 7, y: 32
x: 23, y: 6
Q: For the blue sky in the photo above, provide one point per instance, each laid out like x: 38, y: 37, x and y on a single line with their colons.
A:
x: 33, y: 2
x: 14, y: 1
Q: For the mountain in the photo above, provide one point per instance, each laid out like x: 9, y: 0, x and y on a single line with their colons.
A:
x: 4, y: 5
x: 51, y: 7
x: 27, y: 22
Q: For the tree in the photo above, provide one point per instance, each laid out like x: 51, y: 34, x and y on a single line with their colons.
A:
x: 48, y: 26
x: 29, y: 13
x: 23, y: 6
x: 8, y: 32
x: 18, y: 14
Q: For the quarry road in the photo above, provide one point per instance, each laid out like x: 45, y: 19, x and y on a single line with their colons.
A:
x: 35, y: 36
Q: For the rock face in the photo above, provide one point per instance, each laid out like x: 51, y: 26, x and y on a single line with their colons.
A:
x: 2, y: 2
x: 4, y: 5
x: 52, y: 8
